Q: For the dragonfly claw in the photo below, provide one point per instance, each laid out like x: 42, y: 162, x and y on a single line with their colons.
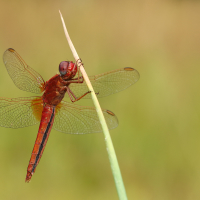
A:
x: 79, y: 62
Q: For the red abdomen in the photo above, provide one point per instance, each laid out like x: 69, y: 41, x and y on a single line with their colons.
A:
x: 46, y: 123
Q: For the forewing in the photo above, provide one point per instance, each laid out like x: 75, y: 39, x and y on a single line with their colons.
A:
x: 107, y: 83
x: 75, y: 119
x: 20, y: 112
x: 23, y: 76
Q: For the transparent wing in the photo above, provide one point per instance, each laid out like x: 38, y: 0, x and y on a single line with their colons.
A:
x: 20, y: 112
x: 23, y: 76
x: 70, y: 118
x: 74, y: 119
x: 108, y: 83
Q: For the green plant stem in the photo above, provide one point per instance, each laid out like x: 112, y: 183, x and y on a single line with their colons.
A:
x: 109, y: 145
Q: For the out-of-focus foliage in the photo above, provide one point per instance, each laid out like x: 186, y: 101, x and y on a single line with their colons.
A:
x: 157, y: 141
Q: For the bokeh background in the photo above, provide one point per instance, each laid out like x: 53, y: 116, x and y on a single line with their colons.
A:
x: 158, y: 138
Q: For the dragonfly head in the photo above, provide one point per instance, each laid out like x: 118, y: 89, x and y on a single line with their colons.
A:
x: 67, y: 69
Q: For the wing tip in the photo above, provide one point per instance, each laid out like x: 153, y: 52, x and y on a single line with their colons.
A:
x: 128, y: 69
x: 113, y: 121
x: 11, y: 50
x: 110, y: 112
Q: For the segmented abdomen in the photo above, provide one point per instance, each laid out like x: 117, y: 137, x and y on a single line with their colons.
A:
x: 46, y: 123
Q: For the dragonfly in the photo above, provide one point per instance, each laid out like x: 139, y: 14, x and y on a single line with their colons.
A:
x: 49, y: 109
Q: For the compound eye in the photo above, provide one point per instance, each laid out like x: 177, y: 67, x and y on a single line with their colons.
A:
x: 63, y: 67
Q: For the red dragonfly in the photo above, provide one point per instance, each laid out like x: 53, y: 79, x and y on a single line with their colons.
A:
x: 49, y: 109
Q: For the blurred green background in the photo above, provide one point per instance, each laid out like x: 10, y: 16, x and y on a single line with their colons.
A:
x: 158, y: 138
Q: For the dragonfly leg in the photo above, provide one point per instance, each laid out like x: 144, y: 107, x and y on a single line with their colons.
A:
x: 80, y: 79
x: 71, y: 94
x: 76, y: 80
